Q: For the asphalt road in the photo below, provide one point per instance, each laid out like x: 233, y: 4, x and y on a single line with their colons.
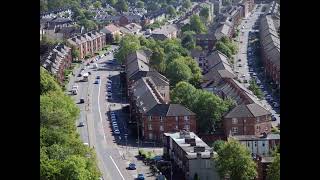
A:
x: 243, y: 71
x: 97, y: 131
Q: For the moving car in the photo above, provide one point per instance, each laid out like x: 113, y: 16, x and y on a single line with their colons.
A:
x: 132, y: 166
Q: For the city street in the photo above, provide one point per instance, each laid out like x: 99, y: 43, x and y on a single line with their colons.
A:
x: 112, y: 154
x: 247, y: 55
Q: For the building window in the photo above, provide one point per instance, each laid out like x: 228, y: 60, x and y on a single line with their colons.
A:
x: 244, y: 121
x: 234, y: 120
x: 149, y: 126
x: 161, y: 128
x: 177, y: 127
x: 150, y: 136
x: 244, y: 128
x: 187, y: 127
x: 177, y: 118
x: 235, y: 129
x: 161, y: 119
x: 248, y: 144
x: 255, y: 144
x: 263, y: 144
x: 186, y: 118
x: 150, y: 118
x: 258, y: 119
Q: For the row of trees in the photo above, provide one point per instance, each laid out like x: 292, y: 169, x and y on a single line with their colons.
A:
x: 255, y: 89
x: 62, y: 153
x: 208, y: 107
x: 234, y: 160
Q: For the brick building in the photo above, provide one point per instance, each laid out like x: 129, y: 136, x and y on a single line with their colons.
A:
x: 247, y: 119
x: 205, y: 41
x: 57, y: 60
x: 89, y: 43
x: 262, y: 166
x: 153, y: 115
x: 111, y: 31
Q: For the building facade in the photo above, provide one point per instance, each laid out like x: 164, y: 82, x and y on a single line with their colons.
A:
x: 190, y: 154
x: 89, y: 43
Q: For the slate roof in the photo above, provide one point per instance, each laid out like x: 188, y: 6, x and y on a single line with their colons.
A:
x: 253, y: 137
x: 170, y: 110
x: 111, y: 28
x: 249, y: 110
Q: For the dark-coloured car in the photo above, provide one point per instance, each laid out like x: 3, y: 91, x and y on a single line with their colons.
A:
x: 81, y: 124
x: 132, y: 166
x: 140, y: 177
x: 82, y: 100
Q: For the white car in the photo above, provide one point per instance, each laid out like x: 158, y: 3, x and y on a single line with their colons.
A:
x: 116, y: 131
x: 243, y: 76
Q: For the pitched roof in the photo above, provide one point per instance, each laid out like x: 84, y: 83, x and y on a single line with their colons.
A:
x: 111, y: 28
x: 170, y: 110
x: 249, y: 110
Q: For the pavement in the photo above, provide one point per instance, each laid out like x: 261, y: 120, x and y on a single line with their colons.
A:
x: 243, y: 71
x: 112, y: 153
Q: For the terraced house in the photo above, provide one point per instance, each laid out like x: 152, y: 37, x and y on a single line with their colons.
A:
x: 150, y: 106
x: 88, y: 43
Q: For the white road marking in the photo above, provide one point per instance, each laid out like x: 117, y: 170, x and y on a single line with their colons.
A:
x: 104, y: 136
x: 116, y: 167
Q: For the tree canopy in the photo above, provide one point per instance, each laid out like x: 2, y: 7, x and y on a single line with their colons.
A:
x: 128, y: 44
x: 208, y: 107
x: 273, y: 171
x: 122, y: 5
x: 188, y: 40
x: 186, y: 4
x: 235, y: 161
x: 204, y: 13
x: 62, y: 153
x: 197, y: 25
x: 171, y: 11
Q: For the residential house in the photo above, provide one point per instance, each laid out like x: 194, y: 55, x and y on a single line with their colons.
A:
x: 205, y: 41
x: 155, y: 116
x: 223, y: 30
x: 57, y: 60
x: 88, y: 43
x: 217, y: 65
x: 154, y: 16
x: 165, y: 32
x: 270, y: 48
x: 247, y: 119
x: 131, y: 28
x: 126, y: 19
x: 111, y: 32
x: 190, y: 154
x: 261, y: 145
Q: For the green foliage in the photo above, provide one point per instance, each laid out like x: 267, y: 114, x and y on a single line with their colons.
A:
x: 153, y: 7
x: 140, y: 4
x: 62, y: 154
x: 188, y: 40
x: 255, y: 89
x: 157, y: 60
x: 128, y: 44
x: 75, y: 53
x: 122, y: 6
x: 186, y: 4
x: 204, y: 13
x: 97, y: 4
x: 273, y: 171
x: 223, y: 49
x: 197, y: 25
x: 117, y: 38
x: 217, y: 145
x: 112, y: 2
x: 235, y: 160
x: 227, y: 46
x: 178, y: 71
x: 208, y: 107
x: 171, y: 11
x: 47, y: 82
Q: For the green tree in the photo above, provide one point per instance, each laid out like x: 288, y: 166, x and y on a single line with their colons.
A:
x: 128, y: 44
x: 75, y: 168
x: 140, y: 4
x: 197, y: 25
x: 157, y: 60
x: 43, y: 6
x: 204, y: 13
x: 188, y: 40
x: 75, y: 53
x: 47, y: 82
x: 117, y: 38
x: 171, y: 11
x: 196, y: 71
x: 178, y: 71
x: 255, y: 89
x: 235, y: 160
x: 122, y: 6
x: 185, y: 94
x: 112, y: 2
x: 97, y: 4
x: 186, y: 4
x: 224, y: 49
x: 273, y: 171
x: 217, y: 145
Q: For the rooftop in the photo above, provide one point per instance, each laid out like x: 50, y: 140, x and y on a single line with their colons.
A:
x: 247, y: 110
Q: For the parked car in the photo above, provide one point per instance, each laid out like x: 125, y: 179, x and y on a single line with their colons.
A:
x: 81, y: 124
x: 82, y: 100
x: 116, y: 131
x: 98, y: 77
x: 140, y: 177
x: 273, y: 118
x: 240, y: 65
x: 132, y: 166
x: 239, y: 60
x: 96, y: 82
